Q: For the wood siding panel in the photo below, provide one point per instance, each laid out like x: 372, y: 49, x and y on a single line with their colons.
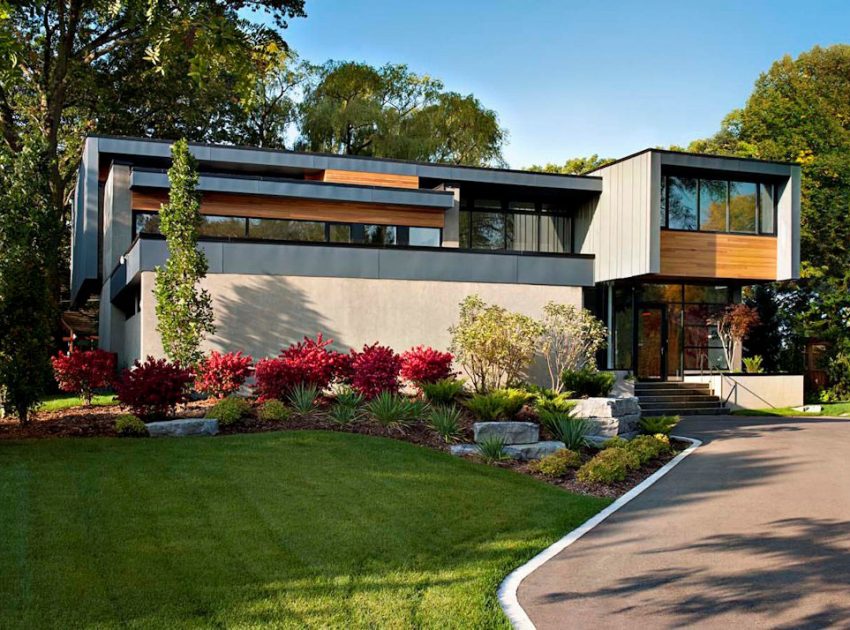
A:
x: 302, y: 209
x: 392, y: 180
x: 722, y: 256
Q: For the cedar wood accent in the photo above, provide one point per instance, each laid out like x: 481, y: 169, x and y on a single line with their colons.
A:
x: 722, y: 256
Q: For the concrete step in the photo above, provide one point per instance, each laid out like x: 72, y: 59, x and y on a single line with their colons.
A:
x: 649, y: 408
x: 676, y: 411
x: 677, y: 398
x: 670, y: 384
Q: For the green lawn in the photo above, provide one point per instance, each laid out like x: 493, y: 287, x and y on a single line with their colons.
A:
x: 66, y: 401
x: 284, y: 529
x: 831, y: 409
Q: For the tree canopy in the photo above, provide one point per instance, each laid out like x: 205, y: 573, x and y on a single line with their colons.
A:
x: 573, y: 166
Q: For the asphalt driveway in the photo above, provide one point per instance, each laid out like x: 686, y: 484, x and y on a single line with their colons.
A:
x: 751, y: 531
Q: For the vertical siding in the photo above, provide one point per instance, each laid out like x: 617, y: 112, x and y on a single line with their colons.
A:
x: 620, y: 231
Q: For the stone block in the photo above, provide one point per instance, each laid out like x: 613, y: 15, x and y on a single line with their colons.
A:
x: 183, y: 427
x: 510, y: 432
x: 606, y: 407
x: 527, y: 452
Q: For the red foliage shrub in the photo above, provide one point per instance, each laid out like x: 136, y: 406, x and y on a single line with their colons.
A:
x: 154, y: 388
x: 83, y: 371
x: 375, y: 369
x: 425, y: 365
x: 307, y: 362
x: 222, y: 374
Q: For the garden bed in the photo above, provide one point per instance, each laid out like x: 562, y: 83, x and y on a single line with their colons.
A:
x: 99, y: 421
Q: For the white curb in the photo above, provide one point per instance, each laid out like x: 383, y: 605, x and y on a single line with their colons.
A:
x: 508, y: 587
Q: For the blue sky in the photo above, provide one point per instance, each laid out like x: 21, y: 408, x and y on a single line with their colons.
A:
x: 570, y: 78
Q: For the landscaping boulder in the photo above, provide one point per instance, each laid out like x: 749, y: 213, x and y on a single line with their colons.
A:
x: 527, y: 452
x: 510, y: 432
x: 183, y: 427
x: 609, y: 417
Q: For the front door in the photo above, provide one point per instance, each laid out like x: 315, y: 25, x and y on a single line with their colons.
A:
x: 652, y: 343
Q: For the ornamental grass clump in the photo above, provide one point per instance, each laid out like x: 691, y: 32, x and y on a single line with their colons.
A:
x: 229, y: 410
x: 392, y: 410
x: 443, y: 392
x: 545, y: 399
x: 303, y: 397
x: 658, y: 424
x: 492, y: 450
x: 556, y: 464
x: 608, y: 466
x: 445, y: 421
x: 129, y: 425
x: 573, y: 432
x: 500, y: 404
x: 273, y: 411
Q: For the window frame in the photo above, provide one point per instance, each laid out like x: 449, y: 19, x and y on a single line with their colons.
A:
x: 773, y: 186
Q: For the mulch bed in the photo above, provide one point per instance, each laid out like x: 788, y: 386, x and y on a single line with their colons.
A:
x: 99, y: 421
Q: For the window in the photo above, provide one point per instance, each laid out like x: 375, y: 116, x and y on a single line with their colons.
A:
x: 522, y: 226
x: 379, y: 234
x: 339, y: 233
x: 682, y: 203
x: 146, y: 223
x: 286, y: 230
x: 717, y: 205
x: 424, y: 237
x: 222, y: 227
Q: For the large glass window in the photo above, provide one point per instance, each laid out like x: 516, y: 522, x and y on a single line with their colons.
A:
x: 717, y: 205
x: 682, y: 203
x: 222, y: 227
x: 424, y: 237
x: 379, y: 235
x: 524, y: 226
x: 286, y: 230
x: 146, y: 223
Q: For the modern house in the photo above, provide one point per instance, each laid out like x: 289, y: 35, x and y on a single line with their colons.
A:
x: 367, y: 249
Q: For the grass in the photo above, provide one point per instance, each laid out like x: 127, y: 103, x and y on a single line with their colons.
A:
x: 292, y: 529
x: 829, y: 409
x: 66, y: 401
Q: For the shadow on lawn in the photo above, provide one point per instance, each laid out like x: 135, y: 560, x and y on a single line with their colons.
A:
x: 807, y: 556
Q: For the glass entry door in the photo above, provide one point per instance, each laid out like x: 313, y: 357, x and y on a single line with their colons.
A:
x: 652, y: 343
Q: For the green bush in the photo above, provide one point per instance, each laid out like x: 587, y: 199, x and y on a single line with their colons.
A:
x: 571, y: 431
x: 303, y: 398
x: 349, y: 398
x: 588, y: 382
x: 614, y: 442
x: 608, y: 466
x: 273, y: 411
x: 492, y: 450
x: 229, y: 410
x: 394, y: 410
x: 754, y: 364
x: 658, y: 424
x: 557, y: 464
x: 546, y: 399
x: 647, y: 447
x: 342, y: 413
x: 443, y: 392
x: 500, y: 404
x: 446, y: 422
x: 129, y: 425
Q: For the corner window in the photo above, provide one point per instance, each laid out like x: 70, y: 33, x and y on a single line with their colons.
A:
x: 682, y: 203
x: 742, y: 207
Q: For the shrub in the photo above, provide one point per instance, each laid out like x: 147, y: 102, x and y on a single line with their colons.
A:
x: 349, y: 398
x: 500, y: 404
x: 588, y: 382
x: 550, y: 400
x: 425, y: 365
x: 446, y: 422
x: 229, y: 410
x: 492, y: 450
x: 608, y: 466
x: 220, y: 375
x: 570, y: 339
x: 494, y: 345
x: 658, y: 424
x: 557, y: 464
x: 375, y: 369
x: 442, y: 392
x: 571, y: 431
x: 83, y: 371
x: 393, y: 410
x: 307, y: 362
x: 273, y: 411
x: 614, y: 442
x: 647, y: 447
x: 303, y: 398
x: 153, y: 388
x: 753, y: 365
x: 130, y: 426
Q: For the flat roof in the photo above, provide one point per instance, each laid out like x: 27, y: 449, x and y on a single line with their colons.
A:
x: 692, y: 154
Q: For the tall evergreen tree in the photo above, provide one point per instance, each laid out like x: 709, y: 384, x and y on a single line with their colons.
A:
x: 184, y: 310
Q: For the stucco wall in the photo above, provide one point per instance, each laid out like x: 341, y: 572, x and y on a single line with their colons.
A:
x: 764, y: 391
x: 259, y: 314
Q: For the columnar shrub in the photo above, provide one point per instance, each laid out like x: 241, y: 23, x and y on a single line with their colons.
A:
x: 220, y: 374
x: 375, y: 369
x: 494, y: 346
x: 425, y: 365
x: 84, y: 371
x: 309, y: 363
x: 153, y: 388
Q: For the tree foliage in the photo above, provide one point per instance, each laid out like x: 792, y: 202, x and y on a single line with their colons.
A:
x: 356, y: 109
x: 184, y: 311
x: 573, y: 166
x: 570, y: 339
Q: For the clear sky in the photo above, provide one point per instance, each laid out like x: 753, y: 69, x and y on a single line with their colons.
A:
x: 576, y: 78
